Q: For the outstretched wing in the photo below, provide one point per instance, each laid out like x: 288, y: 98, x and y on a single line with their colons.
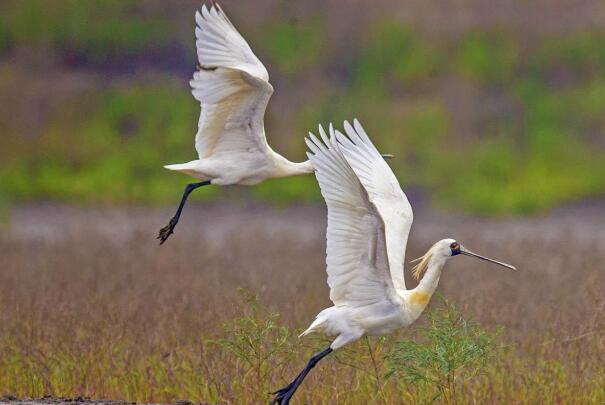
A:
x: 232, y: 86
x: 356, y: 258
x: 383, y: 191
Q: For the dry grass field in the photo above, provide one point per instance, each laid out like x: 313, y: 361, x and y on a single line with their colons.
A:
x: 90, y: 305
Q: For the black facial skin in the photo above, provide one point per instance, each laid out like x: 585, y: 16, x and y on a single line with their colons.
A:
x: 455, y: 247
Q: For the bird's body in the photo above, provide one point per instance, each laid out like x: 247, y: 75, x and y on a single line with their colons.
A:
x: 349, y: 322
x: 245, y: 168
x: 232, y: 86
x: 369, y: 219
x: 369, y: 297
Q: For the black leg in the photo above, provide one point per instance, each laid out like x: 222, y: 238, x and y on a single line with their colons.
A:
x: 283, y: 396
x: 168, y: 230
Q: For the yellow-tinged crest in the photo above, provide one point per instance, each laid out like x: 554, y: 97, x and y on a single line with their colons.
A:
x: 423, y: 263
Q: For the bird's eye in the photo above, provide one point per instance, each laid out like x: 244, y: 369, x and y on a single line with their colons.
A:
x: 454, y: 245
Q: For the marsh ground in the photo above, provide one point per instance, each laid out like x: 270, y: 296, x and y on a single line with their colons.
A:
x: 60, y: 401
x: 91, y: 305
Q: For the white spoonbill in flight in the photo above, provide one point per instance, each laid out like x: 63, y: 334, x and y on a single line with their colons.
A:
x: 233, y: 88
x: 369, y: 219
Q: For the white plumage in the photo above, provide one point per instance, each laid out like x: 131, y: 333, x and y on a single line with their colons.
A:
x: 233, y: 89
x: 369, y: 219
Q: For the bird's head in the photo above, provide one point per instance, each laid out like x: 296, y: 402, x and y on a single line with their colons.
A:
x: 446, y: 248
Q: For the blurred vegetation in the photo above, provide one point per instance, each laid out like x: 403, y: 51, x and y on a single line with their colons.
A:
x: 394, y: 54
x: 294, y: 48
x: 106, y: 148
x: 488, y: 121
x: 487, y: 57
x: 96, y: 29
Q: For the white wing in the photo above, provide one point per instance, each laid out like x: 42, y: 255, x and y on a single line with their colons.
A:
x: 383, y: 191
x: 356, y: 256
x: 232, y: 86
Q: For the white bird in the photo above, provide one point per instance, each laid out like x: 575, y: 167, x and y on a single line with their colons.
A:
x: 233, y: 88
x: 369, y: 219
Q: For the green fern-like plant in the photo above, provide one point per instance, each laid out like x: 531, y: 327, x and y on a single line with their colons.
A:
x: 258, y: 342
x: 452, y: 349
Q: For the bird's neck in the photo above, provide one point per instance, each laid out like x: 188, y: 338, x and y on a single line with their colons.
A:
x: 419, y: 297
x: 285, y: 168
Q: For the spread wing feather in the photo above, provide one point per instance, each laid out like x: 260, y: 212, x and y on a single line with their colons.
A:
x: 384, y: 192
x: 356, y: 256
x: 232, y: 87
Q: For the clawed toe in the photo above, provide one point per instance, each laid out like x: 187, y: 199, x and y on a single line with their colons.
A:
x: 282, y: 395
x: 279, y: 399
x: 166, y: 231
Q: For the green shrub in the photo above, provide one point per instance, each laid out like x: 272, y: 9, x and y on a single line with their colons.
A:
x: 259, y: 343
x: 453, y: 351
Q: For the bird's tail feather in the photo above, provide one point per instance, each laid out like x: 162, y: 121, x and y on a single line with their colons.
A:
x: 316, y: 325
x: 189, y: 168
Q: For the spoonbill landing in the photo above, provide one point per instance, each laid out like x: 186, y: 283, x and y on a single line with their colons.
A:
x: 233, y: 88
x: 369, y: 219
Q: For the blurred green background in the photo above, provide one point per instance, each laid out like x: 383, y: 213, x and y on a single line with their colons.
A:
x: 491, y: 107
